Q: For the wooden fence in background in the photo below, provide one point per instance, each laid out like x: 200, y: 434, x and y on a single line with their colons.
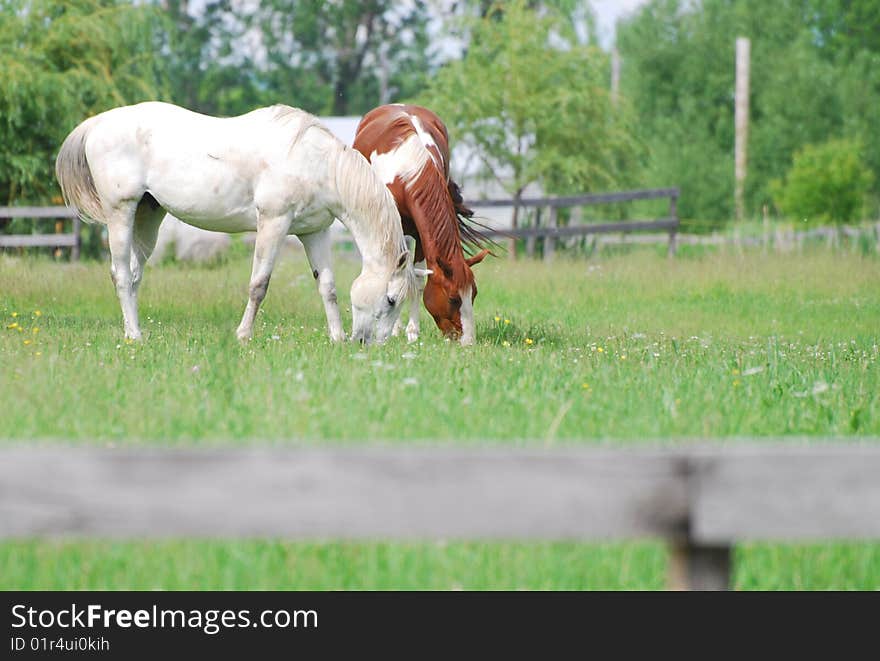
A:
x: 550, y: 231
x: 59, y: 239
x: 701, y: 499
x: 653, y: 231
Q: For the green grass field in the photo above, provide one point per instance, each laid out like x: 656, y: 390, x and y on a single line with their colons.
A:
x: 620, y: 350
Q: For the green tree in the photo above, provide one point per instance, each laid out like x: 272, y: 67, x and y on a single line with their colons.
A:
x: 342, y: 57
x: 210, y: 68
x: 814, y: 75
x: 534, y: 104
x: 827, y: 183
x: 59, y: 63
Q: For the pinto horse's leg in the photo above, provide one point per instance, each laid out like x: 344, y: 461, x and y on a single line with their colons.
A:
x: 120, y: 231
x: 317, y: 247
x: 415, y: 304
x: 270, y: 235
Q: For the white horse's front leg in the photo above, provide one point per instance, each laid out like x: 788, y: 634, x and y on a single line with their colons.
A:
x: 318, y: 250
x: 270, y: 235
x: 415, y: 305
x: 119, y: 238
x: 398, y: 325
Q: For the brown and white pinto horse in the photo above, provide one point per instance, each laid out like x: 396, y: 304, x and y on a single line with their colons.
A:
x: 409, y: 149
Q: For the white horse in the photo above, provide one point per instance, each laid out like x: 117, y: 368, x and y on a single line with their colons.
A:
x: 275, y: 170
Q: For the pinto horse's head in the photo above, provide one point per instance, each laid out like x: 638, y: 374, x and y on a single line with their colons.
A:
x: 449, y: 297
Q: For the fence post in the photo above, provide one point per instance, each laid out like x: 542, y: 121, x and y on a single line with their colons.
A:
x: 580, y: 242
x: 550, y: 239
x: 693, y: 567
x: 59, y: 229
x: 77, y: 237
x: 532, y: 238
x: 673, y: 213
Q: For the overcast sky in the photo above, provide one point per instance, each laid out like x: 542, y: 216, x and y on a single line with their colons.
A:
x: 607, y: 13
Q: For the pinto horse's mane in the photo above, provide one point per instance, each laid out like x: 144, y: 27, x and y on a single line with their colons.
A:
x: 474, y: 234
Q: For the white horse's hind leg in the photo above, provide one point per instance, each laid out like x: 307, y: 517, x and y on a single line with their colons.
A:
x: 317, y: 247
x: 146, y: 229
x: 120, y: 233
x: 415, y: 304
x: 270, y: 235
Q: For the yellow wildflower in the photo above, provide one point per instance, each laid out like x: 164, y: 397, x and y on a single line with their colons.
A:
x: 27, y: 342
x: 13, y: 325
x: 505, y: 343
x: 37, y: 313
x: 600, y: 349
x: 35, y: 330
x: 507, y: 321
x: 14, y: 314
x: 497, y: 318
x: 529, y: 340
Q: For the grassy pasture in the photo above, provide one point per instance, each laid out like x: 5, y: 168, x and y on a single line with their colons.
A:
x: 627, y: 349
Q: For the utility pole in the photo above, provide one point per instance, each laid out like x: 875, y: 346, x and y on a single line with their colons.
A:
x: 741, y: 122
x: 384, y: 92
x: 615, y: 75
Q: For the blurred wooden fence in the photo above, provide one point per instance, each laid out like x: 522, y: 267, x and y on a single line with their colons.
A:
x: 633, y: 232
x: 701, y: 499
x: 59, y: 239
x: 775, y: 238
x: 548, y: 228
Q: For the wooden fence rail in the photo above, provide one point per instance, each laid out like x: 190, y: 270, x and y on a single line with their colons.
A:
x: 701, y: 499
x: 551, y: 232
x: 72, y: 239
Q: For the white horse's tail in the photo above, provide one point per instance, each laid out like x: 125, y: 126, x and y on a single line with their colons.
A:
x: 75, y: 177
x: 368, y: 200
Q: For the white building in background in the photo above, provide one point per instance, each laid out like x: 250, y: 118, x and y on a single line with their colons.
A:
x: 193, y: 244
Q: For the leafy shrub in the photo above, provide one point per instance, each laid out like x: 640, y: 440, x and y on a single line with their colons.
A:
x: 827, y: 183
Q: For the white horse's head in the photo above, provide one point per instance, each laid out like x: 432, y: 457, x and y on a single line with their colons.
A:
x: 376, y: 300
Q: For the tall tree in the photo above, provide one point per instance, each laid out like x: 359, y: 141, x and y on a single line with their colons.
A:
x: 335, y: 57
x: 814, y: 75
x: 209, y: 63
x: 59, y: 63
x: 533, y: 104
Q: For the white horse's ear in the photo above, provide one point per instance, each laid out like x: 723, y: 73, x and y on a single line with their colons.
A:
x: 422, y: 273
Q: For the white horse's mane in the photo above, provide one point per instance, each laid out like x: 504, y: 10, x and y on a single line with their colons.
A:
x: 364, y: 194
x: 299, y: 120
